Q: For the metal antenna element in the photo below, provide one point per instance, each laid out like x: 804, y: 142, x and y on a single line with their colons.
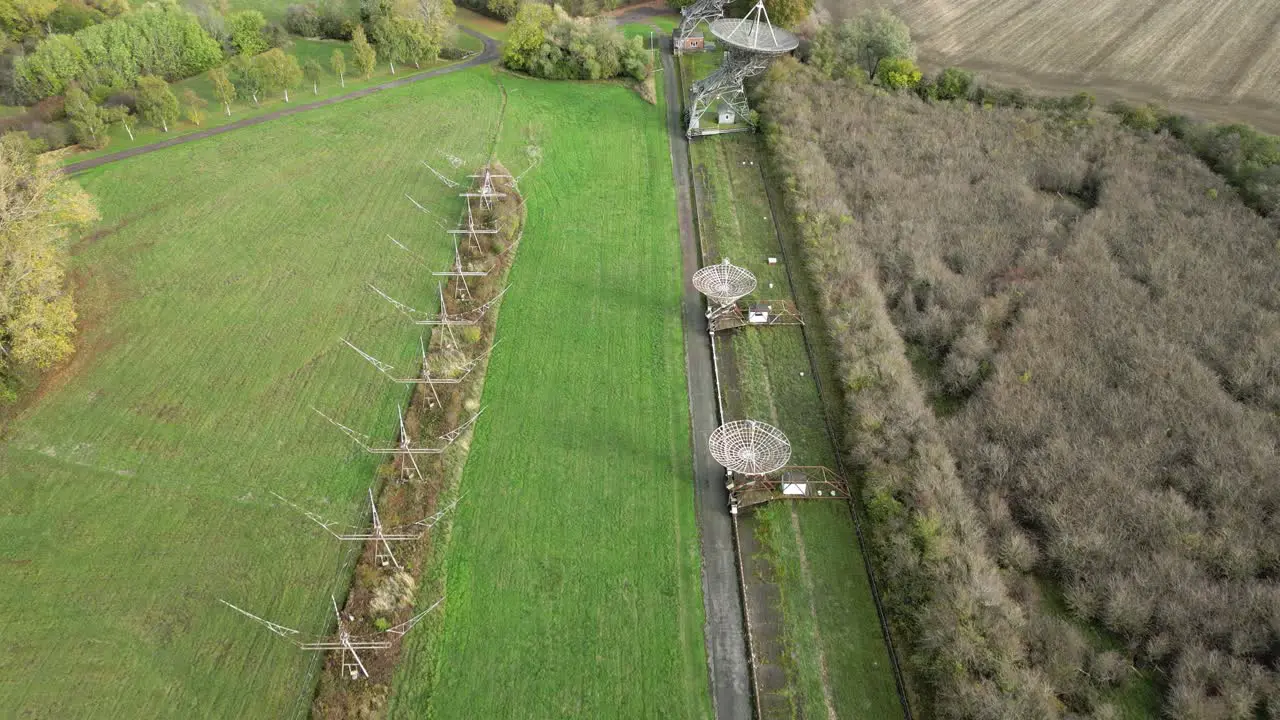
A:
x: 403, y: 446
x: 487, y: 192
x: 381, y: 536
x: 749, y: 447
x: 478, y: 313
x: 426, y: 379
x: 441, y: 176
x: 461, y: 291
x: 471, y: 230
x: 535, y: 158
x: 412, y: 313
x: 349, y: 645
x: 429, y: 522
x: 748, y: 52
x: 278, y: 629
x: 724, y: 284
x: 412, y: 255
x: 455, y: 433
x: 420, y: 317
x: 434, y: 218
x: 407, y: 625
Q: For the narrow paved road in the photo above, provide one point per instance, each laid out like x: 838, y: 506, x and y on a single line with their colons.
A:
x: 489, y: 54
x: 726, y: 629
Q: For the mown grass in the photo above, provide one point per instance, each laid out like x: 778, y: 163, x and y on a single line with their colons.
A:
x: 573, y: 570
x: 828, y: 611
x: 483, y: 24
x: 303, y: 49
x: 212, y: 298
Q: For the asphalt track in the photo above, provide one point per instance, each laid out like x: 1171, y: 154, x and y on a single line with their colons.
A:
x: 725, y: 627
x: 488, y: 54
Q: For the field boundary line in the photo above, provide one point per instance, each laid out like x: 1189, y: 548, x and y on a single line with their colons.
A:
x: 898, y: 677
x: 487, y: 55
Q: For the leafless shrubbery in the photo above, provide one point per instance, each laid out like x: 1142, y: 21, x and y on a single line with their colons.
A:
x: 1105, y: 314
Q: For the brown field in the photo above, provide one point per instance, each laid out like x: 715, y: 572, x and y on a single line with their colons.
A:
x: 1219, y: 59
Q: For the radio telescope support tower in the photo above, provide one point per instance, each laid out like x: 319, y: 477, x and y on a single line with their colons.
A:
x: 698, y: 12
x: 751, y: 43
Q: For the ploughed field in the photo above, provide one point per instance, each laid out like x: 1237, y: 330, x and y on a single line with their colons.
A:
x: 1224, y: 52
x: 213, y: 295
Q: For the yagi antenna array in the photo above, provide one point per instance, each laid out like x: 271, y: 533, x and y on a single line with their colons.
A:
x: 381, y: 536
x: 750, y: 447
x: 350, y: 645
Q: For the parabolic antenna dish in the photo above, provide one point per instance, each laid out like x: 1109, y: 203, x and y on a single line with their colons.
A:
x: 754, y: 33
x: 750, y: 447
x: 724, y: 283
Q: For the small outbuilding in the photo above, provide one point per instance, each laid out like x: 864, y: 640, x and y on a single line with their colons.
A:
x: 692, y: 43
x: 726, y: 116
x: 758, y: 313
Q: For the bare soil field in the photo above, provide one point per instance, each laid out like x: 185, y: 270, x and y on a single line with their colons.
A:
x: 1218, y: 59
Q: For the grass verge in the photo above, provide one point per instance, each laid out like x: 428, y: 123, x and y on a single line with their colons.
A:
x: 838, y: 660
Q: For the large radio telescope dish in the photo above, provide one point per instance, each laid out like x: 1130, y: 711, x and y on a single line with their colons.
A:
x: 750, y: 447
x: 754, y: 33
x: 724, y: 283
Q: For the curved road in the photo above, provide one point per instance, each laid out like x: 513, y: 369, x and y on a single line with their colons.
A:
x: 489, y: 54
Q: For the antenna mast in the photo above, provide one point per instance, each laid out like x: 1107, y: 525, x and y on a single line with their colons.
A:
x: 348, y: 644
x: 381, y: 537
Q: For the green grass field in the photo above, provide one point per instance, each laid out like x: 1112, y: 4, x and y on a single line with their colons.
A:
x: 573, y: 570
x: 483, y: 24
x: 827, y: 608
x: 303, y: 49
x: 664, y: 24
x: 213, y: 299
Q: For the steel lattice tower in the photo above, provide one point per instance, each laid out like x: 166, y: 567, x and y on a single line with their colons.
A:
x: 751, y: 43
x: 699, y: 12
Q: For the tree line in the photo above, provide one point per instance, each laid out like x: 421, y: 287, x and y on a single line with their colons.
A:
x: 545, y: 41
x: 39, y: 208
x: 115, y: 71
x: 167, y: 42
